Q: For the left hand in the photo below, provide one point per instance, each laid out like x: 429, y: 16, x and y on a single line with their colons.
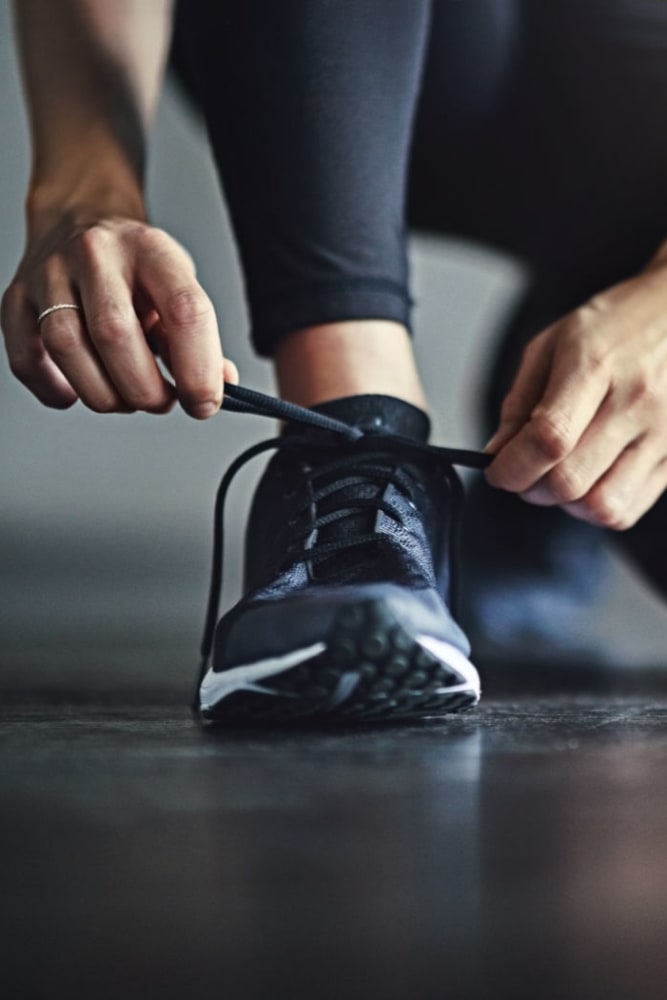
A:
x: 584, y: 426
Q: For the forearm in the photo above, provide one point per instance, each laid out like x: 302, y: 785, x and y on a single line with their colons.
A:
x: 92, y: 72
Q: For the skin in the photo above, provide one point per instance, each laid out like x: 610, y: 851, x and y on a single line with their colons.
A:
x: 583, y: 426
x: 92, y: 75
x: 347, y: 359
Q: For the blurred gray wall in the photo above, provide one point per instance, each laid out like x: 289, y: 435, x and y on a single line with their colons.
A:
x: 105, y: 521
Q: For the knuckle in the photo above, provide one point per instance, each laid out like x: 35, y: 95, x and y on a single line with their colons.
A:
x: 147, y: 400
x: 152, y: 239
x: 99, y: 406
x: 593, y: 358
x: 594, y: 309
x: 551, y: 435
x: 592, y: 348
x: 607, y: 509
x: 108, y: 326
x: 186, y: 307
x: 103, y: 404
x: 596, y: 363
x: 156, y: 242
x: 202, y: 390
x: 90, y: 244
x: 643, y: 392
x: 566, y: 484
x: 23, y: 363
x: 60, y: 338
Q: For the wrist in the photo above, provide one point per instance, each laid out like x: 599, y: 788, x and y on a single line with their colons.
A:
x: 98, y: 181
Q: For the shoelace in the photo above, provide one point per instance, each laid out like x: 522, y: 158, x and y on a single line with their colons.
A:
x: 373, y: 446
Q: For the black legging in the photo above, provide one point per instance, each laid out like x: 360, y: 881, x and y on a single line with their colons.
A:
x: 536, y: 126
x: 540, y: 129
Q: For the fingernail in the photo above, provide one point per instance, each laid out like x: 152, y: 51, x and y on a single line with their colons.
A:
x: 203, y: 410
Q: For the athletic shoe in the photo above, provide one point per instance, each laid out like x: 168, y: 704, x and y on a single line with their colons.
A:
x: 532, y: 581
x: 350, y: 575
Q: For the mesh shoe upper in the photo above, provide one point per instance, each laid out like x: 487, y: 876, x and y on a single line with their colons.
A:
x: 334, y: 521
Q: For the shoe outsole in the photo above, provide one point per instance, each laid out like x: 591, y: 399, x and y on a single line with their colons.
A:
x: 370, y: 669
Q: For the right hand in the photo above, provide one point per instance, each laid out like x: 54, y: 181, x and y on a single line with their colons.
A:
x: 136, y: 287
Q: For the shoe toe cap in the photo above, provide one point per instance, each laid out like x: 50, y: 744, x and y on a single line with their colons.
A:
x: 268, y: 628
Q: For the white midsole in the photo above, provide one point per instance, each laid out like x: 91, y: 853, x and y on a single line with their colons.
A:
x: 216, y: 685
x: 453, y: 657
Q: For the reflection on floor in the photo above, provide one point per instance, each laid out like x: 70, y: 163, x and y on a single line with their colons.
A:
x: 516, y: 851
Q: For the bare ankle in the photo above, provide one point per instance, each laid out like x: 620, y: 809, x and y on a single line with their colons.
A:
x: 350, y: 358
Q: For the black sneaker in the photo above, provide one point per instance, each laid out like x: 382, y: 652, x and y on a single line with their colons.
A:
x: 533, y: 581
x: 349, y: 572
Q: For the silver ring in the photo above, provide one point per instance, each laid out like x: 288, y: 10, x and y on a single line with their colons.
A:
x: 52, y: 309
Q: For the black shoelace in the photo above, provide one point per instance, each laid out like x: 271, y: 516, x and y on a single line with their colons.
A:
x: 364, y: 452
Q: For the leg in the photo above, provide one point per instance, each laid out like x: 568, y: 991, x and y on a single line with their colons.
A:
x: 604, y: 148
x: 562, y: 165
x: 312, y: 153
x: 345, y: 359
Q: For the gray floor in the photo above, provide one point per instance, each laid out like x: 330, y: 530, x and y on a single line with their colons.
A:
x: 517, y: 851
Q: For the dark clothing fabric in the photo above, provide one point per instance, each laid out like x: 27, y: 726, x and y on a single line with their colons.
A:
x: 538, y: 128
x: 534, y: 126
x: 309, y: 107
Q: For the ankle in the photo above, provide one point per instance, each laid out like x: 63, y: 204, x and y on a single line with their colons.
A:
x: 351, y: 358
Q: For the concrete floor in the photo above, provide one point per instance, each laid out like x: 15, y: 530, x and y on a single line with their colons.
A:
x: 516, y: 851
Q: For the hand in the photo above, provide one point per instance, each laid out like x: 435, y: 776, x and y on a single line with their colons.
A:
x: 136, y: 286
x: 584, y: 425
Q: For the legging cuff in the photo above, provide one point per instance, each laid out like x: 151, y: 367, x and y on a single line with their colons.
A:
x: 333, y: 301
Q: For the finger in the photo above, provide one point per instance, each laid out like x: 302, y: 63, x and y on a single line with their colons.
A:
x: 573, y: 395
x: 188, y: 321
x: 65, y: 338
x: 624, y: 494
x: 606, y: 438
x: 119, y: 341
x: 529, y: 383
x: 158, y: 342
x: 28, y: 359
x: 230, y: 372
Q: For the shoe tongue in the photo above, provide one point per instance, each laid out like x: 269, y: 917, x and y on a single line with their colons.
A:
x: 376, y: 413
x: 379, y: 413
